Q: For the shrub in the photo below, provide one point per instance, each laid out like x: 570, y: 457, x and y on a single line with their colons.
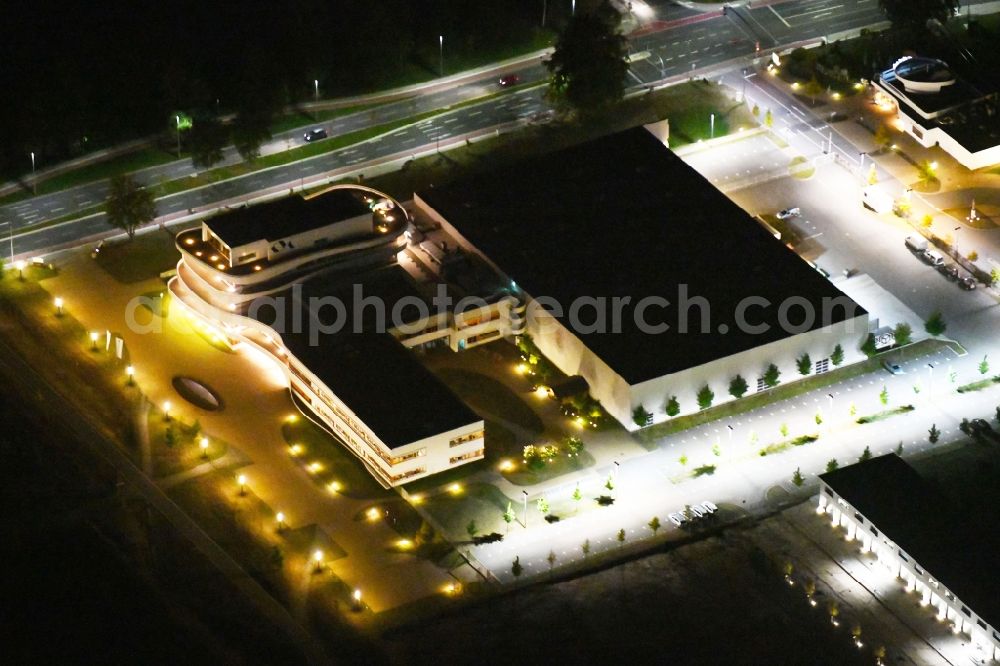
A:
x: 738, y: 386
x: 772, y: 376
x: 705, y: 397
x: 868, y: 345
x: 641, y: 417
x: 804, y: 364
x: 837, y: 356
x: 673, y: 408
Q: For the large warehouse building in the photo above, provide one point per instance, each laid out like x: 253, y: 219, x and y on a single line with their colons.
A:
x: 642, y: 277
x: 941, y: 553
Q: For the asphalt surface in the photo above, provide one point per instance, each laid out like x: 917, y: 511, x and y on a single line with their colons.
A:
x: 683, y: 40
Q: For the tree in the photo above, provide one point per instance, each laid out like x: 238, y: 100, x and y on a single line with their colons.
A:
x: 641, y: 417
x: 589, y: 64
x: 972, y: 256
x: 912, y: 15
x: 813, y: 89
x: 927, y: 221
x: 772, y: 376
x: 705, y: 397
x: 610, y: 483
x: 508, y: 515
x: 872, y: 174
x: 837, y: 355
x: 994, y: 276
x: 585, y: 547
x: 755, y: 111
x: 868, y: 345
x: 471, y: 529
x: 250, y: 131
x: 933, y: 434
x: 903, y: 333
x: 804, y: 364
x: 516, y: 568
x: 865, y: 455
x: 926, y: 173
x: 543, y: 505
x: 577, y: 495
x: 883, y: 396
x: 738, y: 386
x: 783, y: 429
x: 899, y: 449
x: 984, y: 366
x: 673, y: 408
x: 768, y: 118
x: 683, y: 460
x: 818, y: 418
x: 129, y: 205
x: 832, y: 464
x: 621, y: 537
x: 935, y: 323
x: 551, y: 559
x: 797, y: 478
x: 882, y: 138
x: 574, y: 446
x: 654, y: 524
x: 206, y: 140
x: 169, y: 435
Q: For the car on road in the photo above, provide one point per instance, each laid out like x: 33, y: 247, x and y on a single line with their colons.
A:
x: 916, y: 244
x: 709, y: 506
x: 893, y: 368
x: 967, y: 283
x: 697, y: 511
x: 950, y: 271
x: 315, y: 134
x: 509, y: 80
x: 933, y: 258
x: 677, y: 519
x: 788, y: 213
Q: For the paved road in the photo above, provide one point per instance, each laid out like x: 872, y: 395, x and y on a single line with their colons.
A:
x: 689, y: 40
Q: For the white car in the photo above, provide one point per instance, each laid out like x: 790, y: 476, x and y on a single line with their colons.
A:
x: 788, y: 213
x: 677, y: 519
x: 697, y: 511
x: 709, y: 506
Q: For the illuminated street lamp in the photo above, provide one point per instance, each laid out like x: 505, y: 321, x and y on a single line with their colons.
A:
x: 316, y: 89
x: 93, y: 341
x: 166, y: 410
x: 34, y: 181
x: 441, y: 52
x: 177, y: 118
x: 524, y: 495
x: 242, y: 481
x: 203, y: 445
x: 356, y: 596
x: 318, y: 561
x: 19, y: 265
x: 130, y: 373
x: 280, y: 518
x: 59, y: 306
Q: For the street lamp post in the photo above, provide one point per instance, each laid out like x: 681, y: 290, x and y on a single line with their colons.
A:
x: 930, y: 379
x: 19, y: 265
x: 203, y: 445
x: 711, y: 125
x: 316, y: 89
x: 130, y: 373
x: 954, y: 245
x: 545, y: 9
x: 524, y: 496
x: 177, y: 121
x: 441, y: 54
x: 59, y: 306
x: 242, y: 481
x: 93, y: 341
x: 34, y: 181
x: 572, y: 11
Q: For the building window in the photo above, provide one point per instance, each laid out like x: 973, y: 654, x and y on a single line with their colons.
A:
x: 903, y: 557
x: 243, y: 258
x: 827, y: 490
x: 966, y: 612
x: 858, y: 517
x: 822, y: 365
x: 918, y: 132
x: 982, y: 625
x: 761, y: 384
x: 918, y: 569
x: 873, y: 530
x: 466, y: 456
x: 472, y: 436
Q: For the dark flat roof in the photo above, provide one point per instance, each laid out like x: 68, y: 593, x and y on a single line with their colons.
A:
x: 958, y: 548
x: 623, y: 216
x: 286, y: 217
x: 370, y: 371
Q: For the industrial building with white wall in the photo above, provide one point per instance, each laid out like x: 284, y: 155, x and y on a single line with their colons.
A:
x: 703, y: 291
x: 943, y: 555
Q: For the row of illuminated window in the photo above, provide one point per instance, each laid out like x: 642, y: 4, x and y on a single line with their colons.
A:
x: 470, y: 437
x: 471, y: 455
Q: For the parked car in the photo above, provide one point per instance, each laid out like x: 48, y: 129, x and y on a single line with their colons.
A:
x: 509, y: 80
x: 916, y: 244
x: 677, y: 519
x: 709, y: 506
x: 893, y: 368
x: 950, y: 271
x: 315, y: 134
x: 967, y: 283
x: 933, y: 258
x: 697, y: 511
x: 788, y: 213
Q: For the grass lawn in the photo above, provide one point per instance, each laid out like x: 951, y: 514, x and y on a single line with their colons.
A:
x: 338, y: 464
x: 690, y: 106
x: 980, y: 385
x: 479, y: 502
x: 522, y: 475
x: 141, y: 258
x: 650, y: 436
x: 184, y: 453
x: 888, y: 413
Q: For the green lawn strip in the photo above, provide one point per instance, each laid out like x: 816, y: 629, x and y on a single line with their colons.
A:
x: 143, y: 257
x: 888, y: 413
x: 980, y: 385
x: 338, y: 464
x: 649, y: 437
x: 523, y: 475
x: 126, y: 163
x: 483, y: 503
x: 778, y: 447
x: 184, y: 452
x: 303, y: 119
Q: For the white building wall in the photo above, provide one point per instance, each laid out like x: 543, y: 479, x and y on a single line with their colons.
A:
x: 928, y: 138
x: 915, y: 578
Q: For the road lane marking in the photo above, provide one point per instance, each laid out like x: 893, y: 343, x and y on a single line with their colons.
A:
x: 780, y: 18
